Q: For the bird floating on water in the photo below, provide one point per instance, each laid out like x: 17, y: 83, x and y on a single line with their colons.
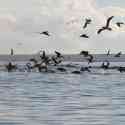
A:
x: 84, y: 53
x: 118, y: 54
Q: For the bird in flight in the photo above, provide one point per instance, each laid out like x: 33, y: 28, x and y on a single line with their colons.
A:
x: 45, y: 33
x: 107, y: 25
x: 119, y: 24
x: 58, y: 54
x: 87, y: 21
x: 84, y: 35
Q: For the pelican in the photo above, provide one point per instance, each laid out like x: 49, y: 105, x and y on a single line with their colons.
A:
x: 107, y: 25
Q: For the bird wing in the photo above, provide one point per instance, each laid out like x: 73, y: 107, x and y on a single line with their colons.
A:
x: 100, y: 30
x: 44, y: 54
x: 88, y: 21
x: 85, y: 25
x: 57, y: 53
x: 45, y: 33
x: 108, y: 21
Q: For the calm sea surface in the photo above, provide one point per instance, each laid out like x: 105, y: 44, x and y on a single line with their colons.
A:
x: 62, y: 99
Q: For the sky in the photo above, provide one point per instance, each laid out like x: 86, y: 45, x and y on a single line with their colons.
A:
x: 21, y: 20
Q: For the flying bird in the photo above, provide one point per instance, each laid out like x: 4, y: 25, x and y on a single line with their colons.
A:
x: 119, y: 24
x: 87, y: 21
x: 84, y: 35
x: 107, y: 25
x: 45, y: 33
x: 58, y: 54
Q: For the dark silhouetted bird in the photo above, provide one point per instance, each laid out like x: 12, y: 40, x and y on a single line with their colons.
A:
x: 84, y: 53
x: 43, y: 55
x: 105, y: 64
x: 108, y: 53
x: 107, y: 25
x: 121, y: 69
x: 90, y: 58
x: 12, y: 52
x: 58, y: 54
x: 119, y: 24
x: 45, y: 33
x: 87, y: 21
x: 84, y: 36
x: 33, y: 60
x: 118, y: 54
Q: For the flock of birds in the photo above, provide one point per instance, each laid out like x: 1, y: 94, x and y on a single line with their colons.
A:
x: 88, y: 22
x: 103, y: 28
x: 44, y: 62
x: 55, y: 60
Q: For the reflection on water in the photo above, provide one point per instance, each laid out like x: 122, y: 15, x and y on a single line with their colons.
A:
x: 59, y: 99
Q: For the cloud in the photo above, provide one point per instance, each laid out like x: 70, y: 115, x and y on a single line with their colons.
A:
x: 116, y: 11
x: 63, y: 19
x: 7, y: 23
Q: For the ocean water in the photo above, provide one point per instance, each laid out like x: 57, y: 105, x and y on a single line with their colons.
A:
x: 33, y: 98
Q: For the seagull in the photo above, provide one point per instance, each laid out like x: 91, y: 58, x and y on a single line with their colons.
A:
x: 84, y: 35
x: 119, y: 24
x: 45, y: 33
x: 107, y: 25
x: 88, y: 21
